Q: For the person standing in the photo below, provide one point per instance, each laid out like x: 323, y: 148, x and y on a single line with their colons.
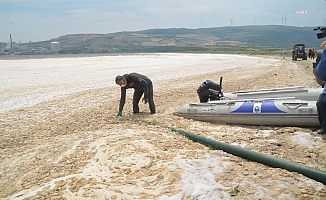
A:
x: 321, y: 102
x: 142, y: 85
x: 313, y: 53
x: 283, y: 53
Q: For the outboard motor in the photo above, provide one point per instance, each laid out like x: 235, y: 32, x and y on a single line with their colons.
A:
x: 218, y: 92
x: 210, y: 91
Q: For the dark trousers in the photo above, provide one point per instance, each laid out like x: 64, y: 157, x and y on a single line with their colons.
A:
x: 136, y: 98
x: 321, y: 108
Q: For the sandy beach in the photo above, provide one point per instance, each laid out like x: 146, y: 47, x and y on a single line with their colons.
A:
x: 60, y: 137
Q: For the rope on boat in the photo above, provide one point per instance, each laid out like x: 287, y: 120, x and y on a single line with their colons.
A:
x: 295, y: 107
x: 316, y: 174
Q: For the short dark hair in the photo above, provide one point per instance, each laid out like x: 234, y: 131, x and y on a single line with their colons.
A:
x: 119, y: 78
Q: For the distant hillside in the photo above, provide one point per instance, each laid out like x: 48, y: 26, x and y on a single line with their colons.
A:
x: 212, y: 40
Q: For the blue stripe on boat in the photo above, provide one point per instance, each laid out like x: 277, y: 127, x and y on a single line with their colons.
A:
x: 246, y: 107
x: 266, y: 107
x: 269, y: 107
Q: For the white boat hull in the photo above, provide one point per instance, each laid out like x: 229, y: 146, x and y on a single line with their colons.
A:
x: 254, y: 112
x: 299, y: 92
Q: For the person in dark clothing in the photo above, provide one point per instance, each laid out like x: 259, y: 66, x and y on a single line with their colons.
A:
x: 142, y: 85
x: 321, y: 102
x: 313, y: 54
x: 205, y: 94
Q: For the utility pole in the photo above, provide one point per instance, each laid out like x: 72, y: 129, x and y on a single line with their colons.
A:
x: 10, y: 44
x: 254, y: 21
x: 282, y: 21
x: 201, y: 24
x: 231, y: 22
x: 285, y: 22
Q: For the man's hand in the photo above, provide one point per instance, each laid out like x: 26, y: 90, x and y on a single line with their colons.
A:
x: 119, y: 114
x: 145, y: 100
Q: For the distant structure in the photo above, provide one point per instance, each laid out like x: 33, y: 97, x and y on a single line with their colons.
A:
x: 55, y: 46
x: 10, y: 44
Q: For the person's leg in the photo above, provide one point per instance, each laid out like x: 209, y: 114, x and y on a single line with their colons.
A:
x: 135, y: 100
x: 151, y: 100
x: 321, y: 108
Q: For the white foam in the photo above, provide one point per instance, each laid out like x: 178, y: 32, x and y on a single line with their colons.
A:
x: 306, y: 139
x: 31, y: 81
x: 198, y: 179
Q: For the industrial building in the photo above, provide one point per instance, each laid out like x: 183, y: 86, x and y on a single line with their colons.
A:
x: 55, y: 46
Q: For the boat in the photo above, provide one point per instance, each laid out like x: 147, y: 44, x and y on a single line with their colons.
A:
x: 287, y: 106
x: 268, y: 111
x: 297, y: 92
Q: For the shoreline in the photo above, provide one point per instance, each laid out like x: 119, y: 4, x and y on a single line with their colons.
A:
x: 75, y: 146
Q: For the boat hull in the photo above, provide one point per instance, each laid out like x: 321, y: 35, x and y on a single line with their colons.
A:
x: 267, y: 112
x: 299, y: 92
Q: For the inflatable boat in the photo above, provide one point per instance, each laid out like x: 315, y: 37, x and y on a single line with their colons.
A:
x: 269, y: 112
x: 298, y: 92
x: 288, y: 106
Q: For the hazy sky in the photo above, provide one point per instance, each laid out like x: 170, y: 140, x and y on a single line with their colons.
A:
x: 39, y: 20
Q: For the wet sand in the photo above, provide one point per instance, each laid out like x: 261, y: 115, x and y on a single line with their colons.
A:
x: 74, y: 146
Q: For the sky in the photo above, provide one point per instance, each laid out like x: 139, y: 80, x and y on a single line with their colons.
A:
x: 40, y: 20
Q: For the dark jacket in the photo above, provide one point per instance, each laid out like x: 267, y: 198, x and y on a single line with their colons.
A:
x: 137, y: 81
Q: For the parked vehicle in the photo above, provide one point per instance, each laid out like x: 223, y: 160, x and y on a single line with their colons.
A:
x: 299, y: 52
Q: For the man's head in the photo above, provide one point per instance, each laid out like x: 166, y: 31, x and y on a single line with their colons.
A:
x: 121, y: 80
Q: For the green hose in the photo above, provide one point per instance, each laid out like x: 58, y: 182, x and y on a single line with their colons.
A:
x: 317, y: 175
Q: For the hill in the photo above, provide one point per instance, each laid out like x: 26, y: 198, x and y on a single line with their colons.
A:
x: 234, y: 39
